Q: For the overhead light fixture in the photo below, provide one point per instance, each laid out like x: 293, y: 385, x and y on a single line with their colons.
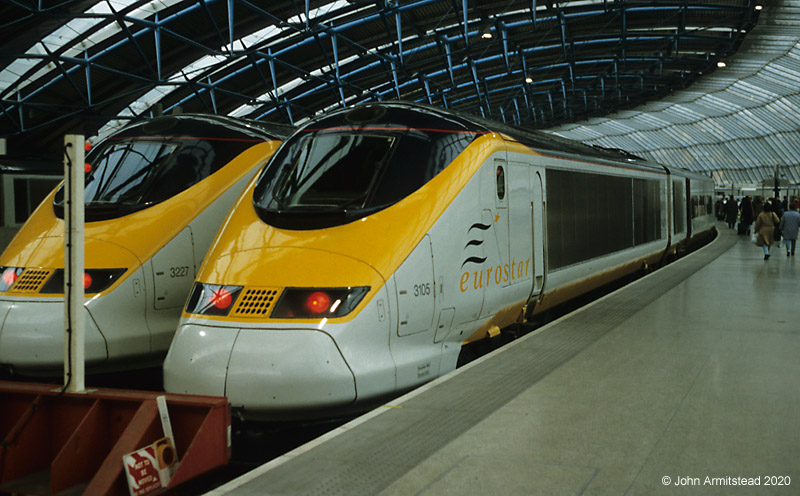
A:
x: 528, y: 79
x: 721, y: 64
x: 486, y: 34
x: 759, y: 7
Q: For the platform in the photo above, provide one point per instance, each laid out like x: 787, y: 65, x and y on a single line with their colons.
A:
x: 691, y: 373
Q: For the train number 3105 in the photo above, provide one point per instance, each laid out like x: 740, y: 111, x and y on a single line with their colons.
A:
x: 423, y: 289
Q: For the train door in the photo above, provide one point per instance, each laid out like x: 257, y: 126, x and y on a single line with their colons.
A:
x: 174, y: 271
x: 490, y: 276
x: 416, y: 291
x: 678, y: 208
x: 538, y: 233
x: 520, y: 251
x: 416, y: 359
x: 668, y: 209
x: 691, y: 209
x: 528, y: 234
x: 505, y: 181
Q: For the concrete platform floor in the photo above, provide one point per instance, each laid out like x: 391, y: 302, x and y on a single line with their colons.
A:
x: 685, y: 382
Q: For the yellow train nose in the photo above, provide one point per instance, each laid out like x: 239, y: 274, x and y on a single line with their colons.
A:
x: 297, y: 267
x: 48, y: 251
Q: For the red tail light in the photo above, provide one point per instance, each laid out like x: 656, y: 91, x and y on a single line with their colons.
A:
x: 94, y: 281
x: 318, y: 303
x: 9, y: 277
x: 212, y: 299
x: 221, y: 298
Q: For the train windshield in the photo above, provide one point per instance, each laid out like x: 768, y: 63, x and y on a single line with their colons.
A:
x: 124, y: 168
x: 150, y: 163
x: 336, y: 171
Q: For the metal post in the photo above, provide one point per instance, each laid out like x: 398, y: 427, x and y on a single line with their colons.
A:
x: 74, y: 366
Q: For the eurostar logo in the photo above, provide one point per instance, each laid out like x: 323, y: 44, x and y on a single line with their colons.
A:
x: 496, y: 275
x: 472, y: 233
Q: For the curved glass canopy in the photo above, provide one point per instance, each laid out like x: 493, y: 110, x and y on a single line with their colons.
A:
x: 741, y: 125
x: 90, y: 66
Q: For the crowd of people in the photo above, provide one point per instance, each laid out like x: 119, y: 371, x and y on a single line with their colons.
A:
x: 774, y: 220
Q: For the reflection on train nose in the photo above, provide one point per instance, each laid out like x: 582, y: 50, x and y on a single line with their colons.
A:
x: 30, y: 328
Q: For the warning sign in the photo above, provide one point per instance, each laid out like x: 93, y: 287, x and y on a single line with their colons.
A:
x: 150, y: 469
x: 141, y: 468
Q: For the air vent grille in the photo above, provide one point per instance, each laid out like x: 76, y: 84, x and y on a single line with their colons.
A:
x: 255, y: 302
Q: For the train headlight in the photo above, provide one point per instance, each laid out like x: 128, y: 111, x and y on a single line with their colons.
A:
x: 317, y: 303
x: 94, y: 281
x: 8, y: 276
x: 311, y: 303
x: 212, y: 299
x: 97, y: 280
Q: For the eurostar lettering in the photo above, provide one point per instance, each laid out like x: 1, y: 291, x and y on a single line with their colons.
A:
x: 496, y: 275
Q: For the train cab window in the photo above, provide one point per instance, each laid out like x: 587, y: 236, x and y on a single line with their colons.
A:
x: 344, y: 167
x: 501, y: 182
x: 333, y: 171
x: 150, y: 163
x: 122, y: 170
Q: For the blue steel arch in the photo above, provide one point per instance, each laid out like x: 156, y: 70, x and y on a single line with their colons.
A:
x: 113, y: 61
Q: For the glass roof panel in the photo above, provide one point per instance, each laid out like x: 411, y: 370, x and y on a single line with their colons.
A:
x: 589, y: 57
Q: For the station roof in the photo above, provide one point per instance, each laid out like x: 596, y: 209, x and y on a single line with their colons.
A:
x: 90, y: 66
x: 741, y: 124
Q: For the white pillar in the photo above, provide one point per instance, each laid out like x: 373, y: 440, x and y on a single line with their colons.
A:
x: 74, y: 359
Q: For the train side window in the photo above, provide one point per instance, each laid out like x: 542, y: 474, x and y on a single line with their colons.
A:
x: 501, y: 182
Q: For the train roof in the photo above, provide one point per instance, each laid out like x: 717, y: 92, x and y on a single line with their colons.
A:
x: 677, y: 171
x: 537, y: 140
x: 258, y: 129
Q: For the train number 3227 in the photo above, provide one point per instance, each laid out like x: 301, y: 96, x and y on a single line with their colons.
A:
x: 179, y: 271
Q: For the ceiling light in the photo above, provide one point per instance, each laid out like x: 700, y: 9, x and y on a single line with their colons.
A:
x: 486, y: 33
x: 759, y: 7
x: 721, y: 64
x: 528, y: 79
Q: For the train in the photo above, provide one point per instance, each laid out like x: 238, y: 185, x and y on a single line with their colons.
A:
x: 382, y: 239
x: 156, y: 193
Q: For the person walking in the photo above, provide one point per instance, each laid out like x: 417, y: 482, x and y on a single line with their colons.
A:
x: 789, y: 227
x: 747, y: 213
x: 731, y: 212
x: 778, y: 209
x: 758, y: 204
x: 765, y: 228
x: 719, y: 209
